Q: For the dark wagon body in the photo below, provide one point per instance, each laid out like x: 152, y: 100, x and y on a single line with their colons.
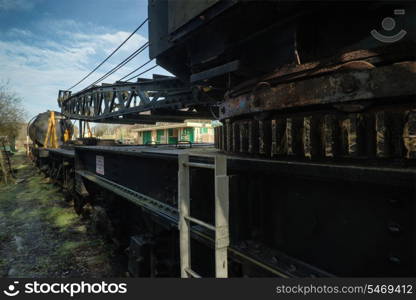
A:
x: 223, y: 43
x: 327, y: 108
x: 318, y: 126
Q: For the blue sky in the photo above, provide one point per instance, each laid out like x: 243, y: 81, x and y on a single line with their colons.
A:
x: 47, y: 45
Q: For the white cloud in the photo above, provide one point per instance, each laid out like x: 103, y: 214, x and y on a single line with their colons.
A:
x: 108, y: 42
x: 16, y: 5
x: 18, y: 33
x: 39, y: 67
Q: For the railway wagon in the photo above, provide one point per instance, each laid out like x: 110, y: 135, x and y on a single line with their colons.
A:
x: 323, y: 95
x: 280, y: 221
x: 313, y: 169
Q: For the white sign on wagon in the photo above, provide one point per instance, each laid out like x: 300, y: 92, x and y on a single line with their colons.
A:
x: 99, y: 164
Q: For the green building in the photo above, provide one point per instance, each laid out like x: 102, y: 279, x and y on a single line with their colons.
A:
x: 172, y: 133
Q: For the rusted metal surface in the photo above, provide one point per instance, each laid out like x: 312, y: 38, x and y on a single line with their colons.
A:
x: 359, y: 59
x: 374, y: 134
x: 359, y: 112
x: 409, y: 134
x: 375, y: 84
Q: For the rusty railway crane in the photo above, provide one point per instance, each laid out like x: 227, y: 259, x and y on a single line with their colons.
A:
x: 313, y: 170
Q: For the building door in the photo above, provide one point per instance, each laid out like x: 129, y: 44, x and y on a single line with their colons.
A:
x: 160, y: 136
x: 147, y: 137
x: 172, y: 136
x: 188, y: 134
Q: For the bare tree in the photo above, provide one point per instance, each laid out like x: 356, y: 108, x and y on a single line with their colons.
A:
x: 100, y: 130
x: 12, y: 114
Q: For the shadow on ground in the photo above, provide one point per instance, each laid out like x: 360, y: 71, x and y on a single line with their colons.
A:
x: 42, y: 236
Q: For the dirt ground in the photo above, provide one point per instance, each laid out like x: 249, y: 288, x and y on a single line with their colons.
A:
x: 42, y: 236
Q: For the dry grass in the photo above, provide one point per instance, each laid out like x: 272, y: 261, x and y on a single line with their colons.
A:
x: 41, y: 235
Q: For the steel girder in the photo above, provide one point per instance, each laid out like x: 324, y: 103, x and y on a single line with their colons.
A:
x: 161, y: 99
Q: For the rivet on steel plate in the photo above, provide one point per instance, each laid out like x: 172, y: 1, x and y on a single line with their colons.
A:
x: 394, y: 259
x: 394, y: 228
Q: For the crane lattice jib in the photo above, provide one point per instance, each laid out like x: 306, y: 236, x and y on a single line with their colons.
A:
x: 161, y: 99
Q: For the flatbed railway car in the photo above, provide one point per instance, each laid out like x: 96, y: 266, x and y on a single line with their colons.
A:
x: 271, y: 232
x: 313, y: 169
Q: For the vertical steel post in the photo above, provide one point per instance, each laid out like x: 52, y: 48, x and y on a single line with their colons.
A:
x: 80, y: 129
x: 221, y: 227
x: 222, y: 239
x: 27, y: 145
x: 184, y: 210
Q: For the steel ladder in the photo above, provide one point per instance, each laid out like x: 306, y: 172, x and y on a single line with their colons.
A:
x: 221, y: 228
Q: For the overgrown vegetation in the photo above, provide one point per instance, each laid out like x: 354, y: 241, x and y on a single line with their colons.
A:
x: 12, y: 114
x: 41, y: 235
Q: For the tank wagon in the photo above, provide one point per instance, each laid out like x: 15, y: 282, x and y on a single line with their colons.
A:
x: 55, y: 161
x: 38, y: 128
x: 313, y: 169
